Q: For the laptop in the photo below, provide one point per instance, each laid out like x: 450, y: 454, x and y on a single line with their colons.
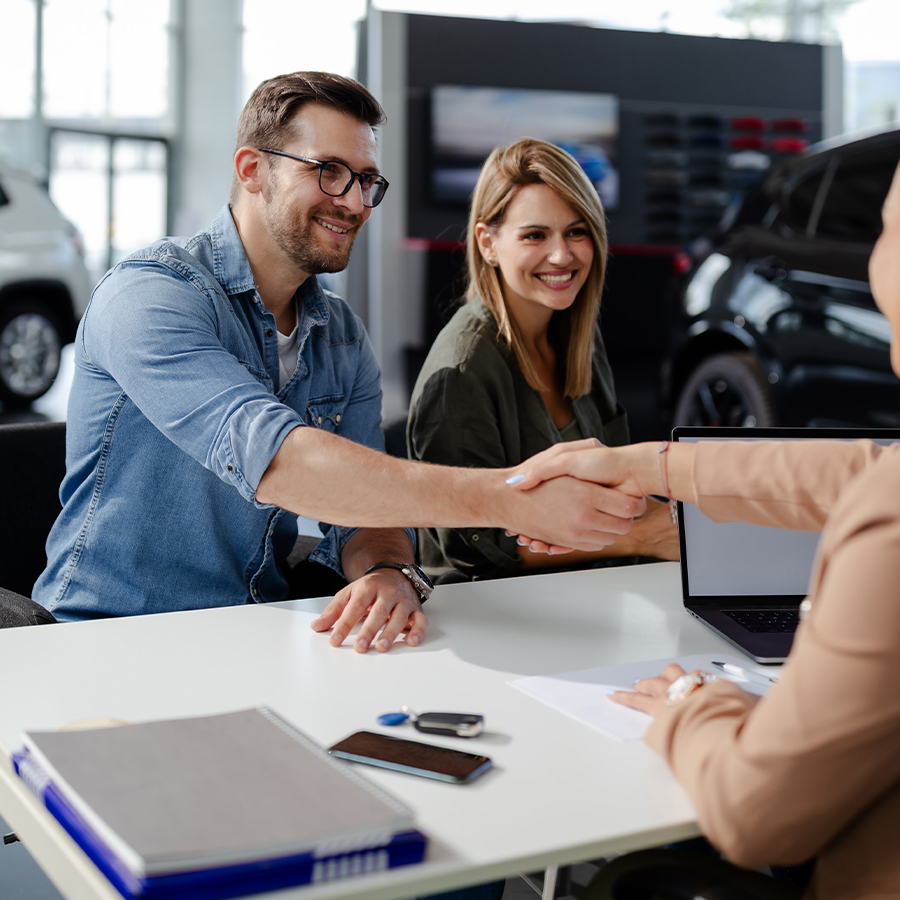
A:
x: 746, y: 582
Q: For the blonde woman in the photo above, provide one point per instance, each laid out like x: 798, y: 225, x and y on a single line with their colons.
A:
x: 522, y: 366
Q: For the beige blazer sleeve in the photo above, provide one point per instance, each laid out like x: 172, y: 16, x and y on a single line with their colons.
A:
x: 814, y: 768
x: 785, y: 484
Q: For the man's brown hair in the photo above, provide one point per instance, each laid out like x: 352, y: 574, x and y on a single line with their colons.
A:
x: 267, y: 119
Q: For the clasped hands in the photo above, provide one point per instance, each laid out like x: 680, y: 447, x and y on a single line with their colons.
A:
x: 617, y: 495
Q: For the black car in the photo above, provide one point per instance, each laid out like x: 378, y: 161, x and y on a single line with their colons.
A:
x: 775, y: 323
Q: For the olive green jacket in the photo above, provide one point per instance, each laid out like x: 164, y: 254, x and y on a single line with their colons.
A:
x: 471, y: 406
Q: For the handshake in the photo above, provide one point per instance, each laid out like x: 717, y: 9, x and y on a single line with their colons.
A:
x: 586, y: 496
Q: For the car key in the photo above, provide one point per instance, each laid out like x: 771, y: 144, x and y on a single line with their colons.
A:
x: 452, y: 724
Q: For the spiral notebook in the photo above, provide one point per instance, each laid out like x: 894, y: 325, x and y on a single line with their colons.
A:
x: 214, y: 806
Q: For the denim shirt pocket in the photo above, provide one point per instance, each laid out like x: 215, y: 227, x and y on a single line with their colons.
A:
x: 325, y: 412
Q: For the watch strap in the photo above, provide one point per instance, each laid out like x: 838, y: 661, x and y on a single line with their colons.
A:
x: 417, y: 578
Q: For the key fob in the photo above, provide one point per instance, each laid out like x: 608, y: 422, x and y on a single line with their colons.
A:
x: 453, y: 724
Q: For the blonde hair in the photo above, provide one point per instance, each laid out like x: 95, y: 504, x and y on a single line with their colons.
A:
x: 505, y: 172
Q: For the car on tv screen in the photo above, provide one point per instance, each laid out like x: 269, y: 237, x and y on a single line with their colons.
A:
x: 774, y: 322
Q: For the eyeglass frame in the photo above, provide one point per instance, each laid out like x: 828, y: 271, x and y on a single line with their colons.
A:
x: 320, y: 165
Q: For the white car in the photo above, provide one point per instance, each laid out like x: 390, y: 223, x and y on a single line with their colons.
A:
x: 44, y: 287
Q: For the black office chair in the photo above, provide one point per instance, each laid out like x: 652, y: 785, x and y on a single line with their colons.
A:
x: 34, y: 463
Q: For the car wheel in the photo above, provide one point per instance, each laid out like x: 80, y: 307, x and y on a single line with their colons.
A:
x: 729, y: 389
x: 30, y: 346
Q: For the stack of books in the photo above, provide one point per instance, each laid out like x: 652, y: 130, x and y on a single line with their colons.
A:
x: 214, y: 807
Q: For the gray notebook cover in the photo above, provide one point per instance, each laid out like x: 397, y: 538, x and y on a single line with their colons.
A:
x: 185, y: 794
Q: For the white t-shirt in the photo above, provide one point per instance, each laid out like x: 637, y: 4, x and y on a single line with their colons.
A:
x: 288, y: 348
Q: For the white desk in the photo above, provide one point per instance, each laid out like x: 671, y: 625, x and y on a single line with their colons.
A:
x: 559, y: 791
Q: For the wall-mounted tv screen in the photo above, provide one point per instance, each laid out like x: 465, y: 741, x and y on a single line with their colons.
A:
x: 468, y: 122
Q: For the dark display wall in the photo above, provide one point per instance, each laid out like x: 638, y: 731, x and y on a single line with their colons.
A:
x: 682, y: 100
x: 699, y: 118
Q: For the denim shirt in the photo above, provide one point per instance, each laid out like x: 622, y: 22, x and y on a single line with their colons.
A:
x: 174, y: 416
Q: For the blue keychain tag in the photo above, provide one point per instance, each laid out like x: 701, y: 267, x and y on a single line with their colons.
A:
x: 397, y: 718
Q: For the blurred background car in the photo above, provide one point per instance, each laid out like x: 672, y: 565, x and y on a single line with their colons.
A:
x: 44, y: 287
x: 774, y: 322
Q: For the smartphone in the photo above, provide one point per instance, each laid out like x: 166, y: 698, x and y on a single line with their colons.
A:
x: 414, y: 757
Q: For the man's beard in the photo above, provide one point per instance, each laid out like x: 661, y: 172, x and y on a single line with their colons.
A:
x: 298, y: 236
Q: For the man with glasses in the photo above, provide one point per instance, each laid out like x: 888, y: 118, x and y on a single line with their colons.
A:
x: 219, y: 392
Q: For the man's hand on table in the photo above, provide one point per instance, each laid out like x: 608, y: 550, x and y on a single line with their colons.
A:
x: 385, y: 602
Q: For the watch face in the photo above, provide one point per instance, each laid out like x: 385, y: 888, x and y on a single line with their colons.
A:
x: 421, y: 573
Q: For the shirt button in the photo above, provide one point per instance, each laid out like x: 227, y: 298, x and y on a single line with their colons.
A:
x: 337, y: 418
x: 255, y: 592
x: 320, y: 420
x: 269, y: 332
x: 230, y: 468
x: 474, y: 537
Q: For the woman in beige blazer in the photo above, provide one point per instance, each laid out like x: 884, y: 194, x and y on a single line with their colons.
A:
x: 812, y: 770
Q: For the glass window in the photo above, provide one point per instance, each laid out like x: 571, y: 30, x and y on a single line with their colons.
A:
x: 118, y: 216
x: 17, y: 60
x: 79, y: 186
x: 310, y: 37
x: 139, y: 196
x: 118, y: 65
x: 795, y: 211
x: 852, y: 208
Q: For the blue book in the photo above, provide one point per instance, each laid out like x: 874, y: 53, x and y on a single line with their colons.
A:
x: 215, y: 807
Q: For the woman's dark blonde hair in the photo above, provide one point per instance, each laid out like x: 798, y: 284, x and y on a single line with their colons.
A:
x: 505, y: 172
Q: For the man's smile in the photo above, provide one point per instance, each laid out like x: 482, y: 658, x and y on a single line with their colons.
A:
x: 331, y: 226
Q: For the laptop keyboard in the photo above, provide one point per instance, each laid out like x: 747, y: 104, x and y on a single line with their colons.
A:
x: 768, y: 621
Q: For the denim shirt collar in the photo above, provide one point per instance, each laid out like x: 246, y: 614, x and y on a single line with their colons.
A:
x: 231, y: 269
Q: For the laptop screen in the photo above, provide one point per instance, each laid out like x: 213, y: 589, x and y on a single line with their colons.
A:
x: 737, y: 559
x: 740, y: 559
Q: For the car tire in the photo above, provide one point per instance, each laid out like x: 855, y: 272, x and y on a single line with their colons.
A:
x: 30, y: 348
x: 729, y: 389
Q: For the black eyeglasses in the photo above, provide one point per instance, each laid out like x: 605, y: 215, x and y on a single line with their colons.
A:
x: 336, y: 178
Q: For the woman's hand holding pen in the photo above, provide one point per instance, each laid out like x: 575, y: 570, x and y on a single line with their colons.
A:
x: 649, y: 694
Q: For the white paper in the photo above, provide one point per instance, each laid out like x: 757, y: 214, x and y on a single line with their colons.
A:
x: 584, y: 695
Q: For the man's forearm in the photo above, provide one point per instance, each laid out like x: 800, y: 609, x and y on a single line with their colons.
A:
x: 325, y: 477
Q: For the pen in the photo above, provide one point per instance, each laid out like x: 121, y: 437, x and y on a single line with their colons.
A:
x: 746, y: 674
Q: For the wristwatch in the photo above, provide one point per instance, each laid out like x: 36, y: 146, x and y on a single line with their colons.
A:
x: 685, y: 685
x: 417, y: 577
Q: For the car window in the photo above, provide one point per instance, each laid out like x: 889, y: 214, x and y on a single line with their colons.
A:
x: 852, y: 207
x: 796, y: 209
